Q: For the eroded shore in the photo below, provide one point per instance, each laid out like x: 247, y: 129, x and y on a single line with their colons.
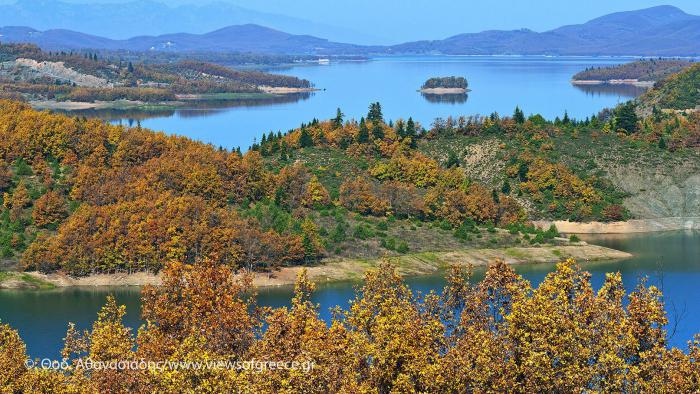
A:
x: 626, y: 227
x: 632, y: 82
x: 333, y: 270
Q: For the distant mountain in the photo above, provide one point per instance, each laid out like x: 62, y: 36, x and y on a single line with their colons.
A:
x: 657, y: 31
x: 240, y: 38
x: 121, y: 20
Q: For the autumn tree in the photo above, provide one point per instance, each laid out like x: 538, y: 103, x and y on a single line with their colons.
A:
x: 49, y: 209
x: 316, y: 194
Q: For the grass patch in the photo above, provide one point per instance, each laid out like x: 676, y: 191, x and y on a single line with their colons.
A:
x: 30, y: 281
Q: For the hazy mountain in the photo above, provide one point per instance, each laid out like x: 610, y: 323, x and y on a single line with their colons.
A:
x: 240, y: 38
x: 657, y: 31
x: 148, y: 17
x: 663, y: 30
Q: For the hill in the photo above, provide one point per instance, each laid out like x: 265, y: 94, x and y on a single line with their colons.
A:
x: 237, y: 38
x: 123, y: 19
x: 31, y: 74
x: 656, y: 31
x: 645, y: 70
x: 680, y: 92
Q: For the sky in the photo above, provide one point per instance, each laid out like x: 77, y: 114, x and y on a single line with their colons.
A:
x: 392, y: 21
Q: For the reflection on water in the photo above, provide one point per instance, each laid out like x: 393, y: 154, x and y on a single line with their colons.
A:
x: 457, y: 98
x: 193, y: 109
x: 621, y: 91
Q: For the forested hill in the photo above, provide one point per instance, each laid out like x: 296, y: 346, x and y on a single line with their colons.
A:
x: 680, y: 92
x: 85, y: 197
x: 30, y: 73
x: 646, y: 70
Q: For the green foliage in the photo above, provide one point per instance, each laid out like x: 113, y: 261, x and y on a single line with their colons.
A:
x: 626, y: 117
x: 446, y: 82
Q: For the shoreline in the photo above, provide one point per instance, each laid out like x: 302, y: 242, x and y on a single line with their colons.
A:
x: 632, y: 226
x: 440, y: 91
x: 338, y: 270
x: 632, y: 82
x: 183, y: 100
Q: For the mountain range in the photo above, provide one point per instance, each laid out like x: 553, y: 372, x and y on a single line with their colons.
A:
x: 123, y: 19
x: 656, y: 31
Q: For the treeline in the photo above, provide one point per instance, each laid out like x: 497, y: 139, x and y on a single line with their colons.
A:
x: 254, y: 78
x: 446, y: 82
x: 642, y: 70
x: 120, y: 93
x: 498, y: 335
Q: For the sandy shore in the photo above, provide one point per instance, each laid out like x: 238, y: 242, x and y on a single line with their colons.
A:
x: 633, y: 82
x: 444, y: 90
x: 434, y: 262
x: 345, y: 269
x: 628, y: 227
x: 282, y: 90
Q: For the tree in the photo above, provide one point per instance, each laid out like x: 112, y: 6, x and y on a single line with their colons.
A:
x: 310, y: 239
x: 410, y: 128
x: 316, y: 194
x: 378, y: 131
x: 375, y: 113
x: 505, y: 189
x: 363, y: 134
x: 305, y: 139
x: 626, y: 118
x: 452, y: 160
x: 662, y: 143
x: 338, y: 120
x: 49, y: 209
x: 518, y: 115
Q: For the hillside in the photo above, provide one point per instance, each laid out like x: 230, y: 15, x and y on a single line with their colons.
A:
x: 645, y: 70
x: 656, y: 31
x: 680, y: 92
x: 29, y: 73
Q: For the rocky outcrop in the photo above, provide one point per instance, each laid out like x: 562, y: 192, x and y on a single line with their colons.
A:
x: 59, y: 71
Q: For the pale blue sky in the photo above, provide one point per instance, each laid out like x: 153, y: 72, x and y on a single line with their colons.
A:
x: 392, y: 21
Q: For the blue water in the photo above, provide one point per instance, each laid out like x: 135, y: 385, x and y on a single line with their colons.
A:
x: 537, y: 84
x: 671, y: 261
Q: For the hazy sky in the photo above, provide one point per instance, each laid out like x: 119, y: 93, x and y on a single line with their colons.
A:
x: 402, y: 20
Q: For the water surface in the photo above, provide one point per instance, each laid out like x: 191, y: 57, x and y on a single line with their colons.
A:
x: 670, y: 261
x: 537, y: 84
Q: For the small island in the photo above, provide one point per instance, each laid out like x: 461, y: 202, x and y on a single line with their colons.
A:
x: 445, y: 85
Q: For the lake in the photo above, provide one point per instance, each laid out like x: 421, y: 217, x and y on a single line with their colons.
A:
x: 537, y: 84
x: 671, y: 261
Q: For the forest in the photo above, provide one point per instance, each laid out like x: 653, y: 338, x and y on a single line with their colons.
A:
x: 30, y: 73
x: 499, y: 334
x: 651, y: 70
